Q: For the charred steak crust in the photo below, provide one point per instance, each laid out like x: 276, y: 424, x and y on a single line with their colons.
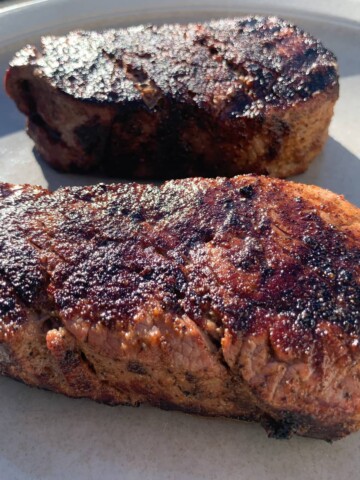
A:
x: 246, y: 95
x: 234, y: 297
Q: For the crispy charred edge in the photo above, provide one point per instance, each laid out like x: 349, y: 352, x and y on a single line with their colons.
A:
x: 286, y: 424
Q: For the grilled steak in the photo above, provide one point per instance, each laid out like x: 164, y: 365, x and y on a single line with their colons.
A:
x: 238, y: 298
x: 248, y: 95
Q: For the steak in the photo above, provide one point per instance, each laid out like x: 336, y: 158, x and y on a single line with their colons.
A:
x: 246, y: 95
x: 222, y: 297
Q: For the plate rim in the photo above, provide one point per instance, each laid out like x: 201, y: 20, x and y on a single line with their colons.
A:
x: 13, y: 13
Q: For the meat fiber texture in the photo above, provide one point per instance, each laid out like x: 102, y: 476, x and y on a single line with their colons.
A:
x: 245, y: 95
x: 222, y: 297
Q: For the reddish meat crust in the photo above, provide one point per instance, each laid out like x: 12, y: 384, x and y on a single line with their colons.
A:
x: 225, y: 297
x: 247, y: 95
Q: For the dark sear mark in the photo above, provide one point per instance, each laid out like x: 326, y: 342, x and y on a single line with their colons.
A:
x: 136, y: 367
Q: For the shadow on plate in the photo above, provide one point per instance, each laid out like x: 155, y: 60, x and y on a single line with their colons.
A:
x: 336, y: 169
x: 11, y: 119
x: 56, y: 179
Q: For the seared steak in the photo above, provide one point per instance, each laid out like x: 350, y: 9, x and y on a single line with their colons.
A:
x: 248, y: 95
x: 238, y: 298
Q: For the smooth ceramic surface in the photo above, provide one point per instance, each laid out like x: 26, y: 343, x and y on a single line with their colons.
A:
x: 47, y: 436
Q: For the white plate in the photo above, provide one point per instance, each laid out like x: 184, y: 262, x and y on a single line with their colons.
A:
x: 47, y: 436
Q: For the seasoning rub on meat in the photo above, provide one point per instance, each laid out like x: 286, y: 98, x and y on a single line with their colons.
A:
x: 231, y: 297
x: 246, y: 95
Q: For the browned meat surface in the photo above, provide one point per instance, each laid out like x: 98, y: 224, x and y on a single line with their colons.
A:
x: 237, y: 297
x: 247, y: 95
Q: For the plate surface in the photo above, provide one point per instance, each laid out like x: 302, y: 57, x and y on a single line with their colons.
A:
x: 47, y: 436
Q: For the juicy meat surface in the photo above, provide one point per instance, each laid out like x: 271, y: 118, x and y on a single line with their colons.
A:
x: 245, y: 95
x: 234, y: 297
